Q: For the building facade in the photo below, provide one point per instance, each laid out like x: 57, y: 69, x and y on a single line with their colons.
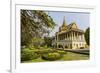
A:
x: 69, y: 37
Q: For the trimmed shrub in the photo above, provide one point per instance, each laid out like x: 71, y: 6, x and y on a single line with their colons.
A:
x: 51, y: 56
x: 61, y: 52
x: 27, y: 54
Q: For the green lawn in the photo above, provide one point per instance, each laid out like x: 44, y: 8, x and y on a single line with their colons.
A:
x: 69, y: 56
x: 74, y: 56
x: 35, y: 60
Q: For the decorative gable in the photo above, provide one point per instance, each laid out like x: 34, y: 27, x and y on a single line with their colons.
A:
x: 73, y: 26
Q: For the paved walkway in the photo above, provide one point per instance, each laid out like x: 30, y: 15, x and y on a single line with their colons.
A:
x: 81, y: 51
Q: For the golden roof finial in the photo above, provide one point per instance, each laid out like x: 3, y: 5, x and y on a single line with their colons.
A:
x: 64, y: 22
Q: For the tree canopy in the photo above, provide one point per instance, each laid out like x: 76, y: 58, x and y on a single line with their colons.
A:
x: 87, y: 36
x: 34, y: 23
x: 48, y: 41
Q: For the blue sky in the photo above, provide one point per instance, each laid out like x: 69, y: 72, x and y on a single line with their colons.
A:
x: 82, y: 19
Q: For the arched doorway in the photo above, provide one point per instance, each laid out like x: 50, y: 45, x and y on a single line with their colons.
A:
x: 60, y: 46
x: 66, y: 46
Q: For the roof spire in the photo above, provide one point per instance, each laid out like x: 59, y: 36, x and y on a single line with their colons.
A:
x: 64, y: 22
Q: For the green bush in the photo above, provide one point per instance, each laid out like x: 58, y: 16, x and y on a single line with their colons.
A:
x: 51, y: 56
x: 27, y: 54
x: 61, y: 52
x: 44, y: 50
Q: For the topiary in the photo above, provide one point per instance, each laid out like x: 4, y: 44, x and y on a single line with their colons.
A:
x: 27, y: 54
x: 61, y: 52
x: 51, y: 56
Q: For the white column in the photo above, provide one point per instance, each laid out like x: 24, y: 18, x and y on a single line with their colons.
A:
x: 77, y: 36
x: 83, y: 36
x: 67, y: 36
x: 61, y: 37
x: 80, y: 37
x: 72, y: 35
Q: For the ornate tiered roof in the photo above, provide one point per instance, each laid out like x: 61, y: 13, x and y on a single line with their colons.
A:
x: 64, y: 26
x: 71, y: 27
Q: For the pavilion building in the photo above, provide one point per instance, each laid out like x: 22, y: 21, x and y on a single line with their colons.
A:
x: 69, y: 37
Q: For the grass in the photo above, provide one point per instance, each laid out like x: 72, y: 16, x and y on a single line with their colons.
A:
x: 68, y: 56
x: 74, y: 56
x: 35, y: 60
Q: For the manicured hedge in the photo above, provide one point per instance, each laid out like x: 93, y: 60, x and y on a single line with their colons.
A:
x: 27, y: 54
x: 51, y: 56
x: 61, y: 52
x: 45, y: 53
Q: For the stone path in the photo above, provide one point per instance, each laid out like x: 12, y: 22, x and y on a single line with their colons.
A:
x: 81, y: 51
